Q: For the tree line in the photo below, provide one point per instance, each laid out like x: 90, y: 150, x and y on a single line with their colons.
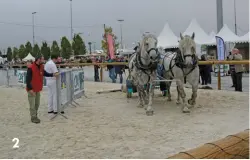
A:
x: 65, y: 49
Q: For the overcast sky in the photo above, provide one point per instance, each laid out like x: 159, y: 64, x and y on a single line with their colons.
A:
x: 90, y: 15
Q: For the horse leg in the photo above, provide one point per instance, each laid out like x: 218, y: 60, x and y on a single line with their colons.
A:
x: 192, y: 100
x: 178, y: 101
x: 168, y: 85
x: 140, y: 97
x: 182, y: 93
x: 149, y: 110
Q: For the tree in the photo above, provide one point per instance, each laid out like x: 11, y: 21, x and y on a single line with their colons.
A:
x: 55, y: 48
x: 9, y: 54
x: 45, y: 50
x: 22, y: 52
x: 109, y: 30
x: 15, y: 53
x: 66, y: 48
x: 1, y: 53
x: 28, y: 49
x: 36, y: 50
x: 78, y: 45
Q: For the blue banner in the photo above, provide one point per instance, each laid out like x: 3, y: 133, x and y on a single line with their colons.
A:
x: 220, y: 48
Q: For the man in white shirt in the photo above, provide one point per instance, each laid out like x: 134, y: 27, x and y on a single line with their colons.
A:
x: 50, y: 67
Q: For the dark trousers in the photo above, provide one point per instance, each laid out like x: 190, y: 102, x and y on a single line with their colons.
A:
x: 204, y: 77
x: 238, y: 81
x: 96, y: 76
x: 233, y: 78
x: 209, y: 81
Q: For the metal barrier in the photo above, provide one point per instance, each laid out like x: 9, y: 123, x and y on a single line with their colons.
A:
x: 103, y: 65
x: 70, y: 86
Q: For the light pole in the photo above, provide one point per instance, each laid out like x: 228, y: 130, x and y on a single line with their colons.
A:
x: 90, y: 43
x: 33, y: 26
x: 71, y: 22
x: 235, y: 18
x: 121, y: 20
x: 219, y: 7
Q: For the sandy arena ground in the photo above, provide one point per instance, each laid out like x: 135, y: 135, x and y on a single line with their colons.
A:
x: 107, y: 126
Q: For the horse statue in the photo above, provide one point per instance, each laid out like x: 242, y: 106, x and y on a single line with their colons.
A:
x: 180, y: 65
x: 142, y: 70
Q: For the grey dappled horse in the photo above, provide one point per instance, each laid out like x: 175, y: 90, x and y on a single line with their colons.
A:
x: 181, y: 64
x: 142, y: 68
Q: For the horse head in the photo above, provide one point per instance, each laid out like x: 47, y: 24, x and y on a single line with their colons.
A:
x: 187, y: 47
x: 148, y: 50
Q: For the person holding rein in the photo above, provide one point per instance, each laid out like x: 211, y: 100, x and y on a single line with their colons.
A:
x: 34, y: 85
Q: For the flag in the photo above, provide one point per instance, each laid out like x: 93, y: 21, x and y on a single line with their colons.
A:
x: 220, y: 48
x: 110, y: 42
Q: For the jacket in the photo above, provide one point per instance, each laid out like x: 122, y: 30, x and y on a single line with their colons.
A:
x: 34, y: 77
x: 238, y: 67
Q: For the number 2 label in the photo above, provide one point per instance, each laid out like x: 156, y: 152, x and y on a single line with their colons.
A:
x: 16, y: 140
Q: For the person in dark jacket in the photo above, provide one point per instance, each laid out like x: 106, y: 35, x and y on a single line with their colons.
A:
x: 34, y: 85
x: 96, y: 71
x: 119, y: 70
x: 204, y: 71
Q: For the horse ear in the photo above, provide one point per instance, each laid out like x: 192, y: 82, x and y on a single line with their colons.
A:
x: 181, y: 36
x: 193, y: 35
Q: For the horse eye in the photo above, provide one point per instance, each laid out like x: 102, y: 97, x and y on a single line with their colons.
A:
x: 146, y: 44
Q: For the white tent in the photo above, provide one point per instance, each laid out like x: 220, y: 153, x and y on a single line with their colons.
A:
x: 29, y: 57
x: 200, y: 35
x: 245, y: 38
x: 167, y: 38
x: 212, y: 35
x: 227, y: 35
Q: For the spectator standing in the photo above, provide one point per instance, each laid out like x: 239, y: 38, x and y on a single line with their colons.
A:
x: 34, y: 85
x: 204, y: 71
x: 231, y: 69
x: 111, y: 70
x: 51, y: 68
x: 119, y: 70
x: 238, y: 69
x: 96, y: 71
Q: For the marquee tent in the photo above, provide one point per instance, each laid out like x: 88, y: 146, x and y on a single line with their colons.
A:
x: 212, y: 35
x: 200, y: 35
x: 227, y: 35
x: 244, y: 38
x: 167, y: 38
x: 29, y: 57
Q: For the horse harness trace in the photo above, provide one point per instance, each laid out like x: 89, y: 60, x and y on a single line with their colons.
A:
x: 179, y: 62
x: 138, y: 63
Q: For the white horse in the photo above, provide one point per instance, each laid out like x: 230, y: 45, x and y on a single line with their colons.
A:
x: 183, y: 63
x: 142, y: 68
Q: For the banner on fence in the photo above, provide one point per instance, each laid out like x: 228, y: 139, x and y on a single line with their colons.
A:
x: 21, y: 75
x: 64, y: 95
x: 78, y: 81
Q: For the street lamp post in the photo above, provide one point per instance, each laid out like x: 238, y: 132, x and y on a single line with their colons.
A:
x: 235, y: 18
x: 71, y: 21
x: 121, y: 20
x: 90, y: 43
x: 33, y: 26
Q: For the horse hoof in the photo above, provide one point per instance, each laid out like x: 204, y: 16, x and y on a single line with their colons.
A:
x: 178, y: 102
x: 191, y: 102
x: 169, y: 100
x: 149, y: 113
x: 186, y: 110
x: 140, y: 106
